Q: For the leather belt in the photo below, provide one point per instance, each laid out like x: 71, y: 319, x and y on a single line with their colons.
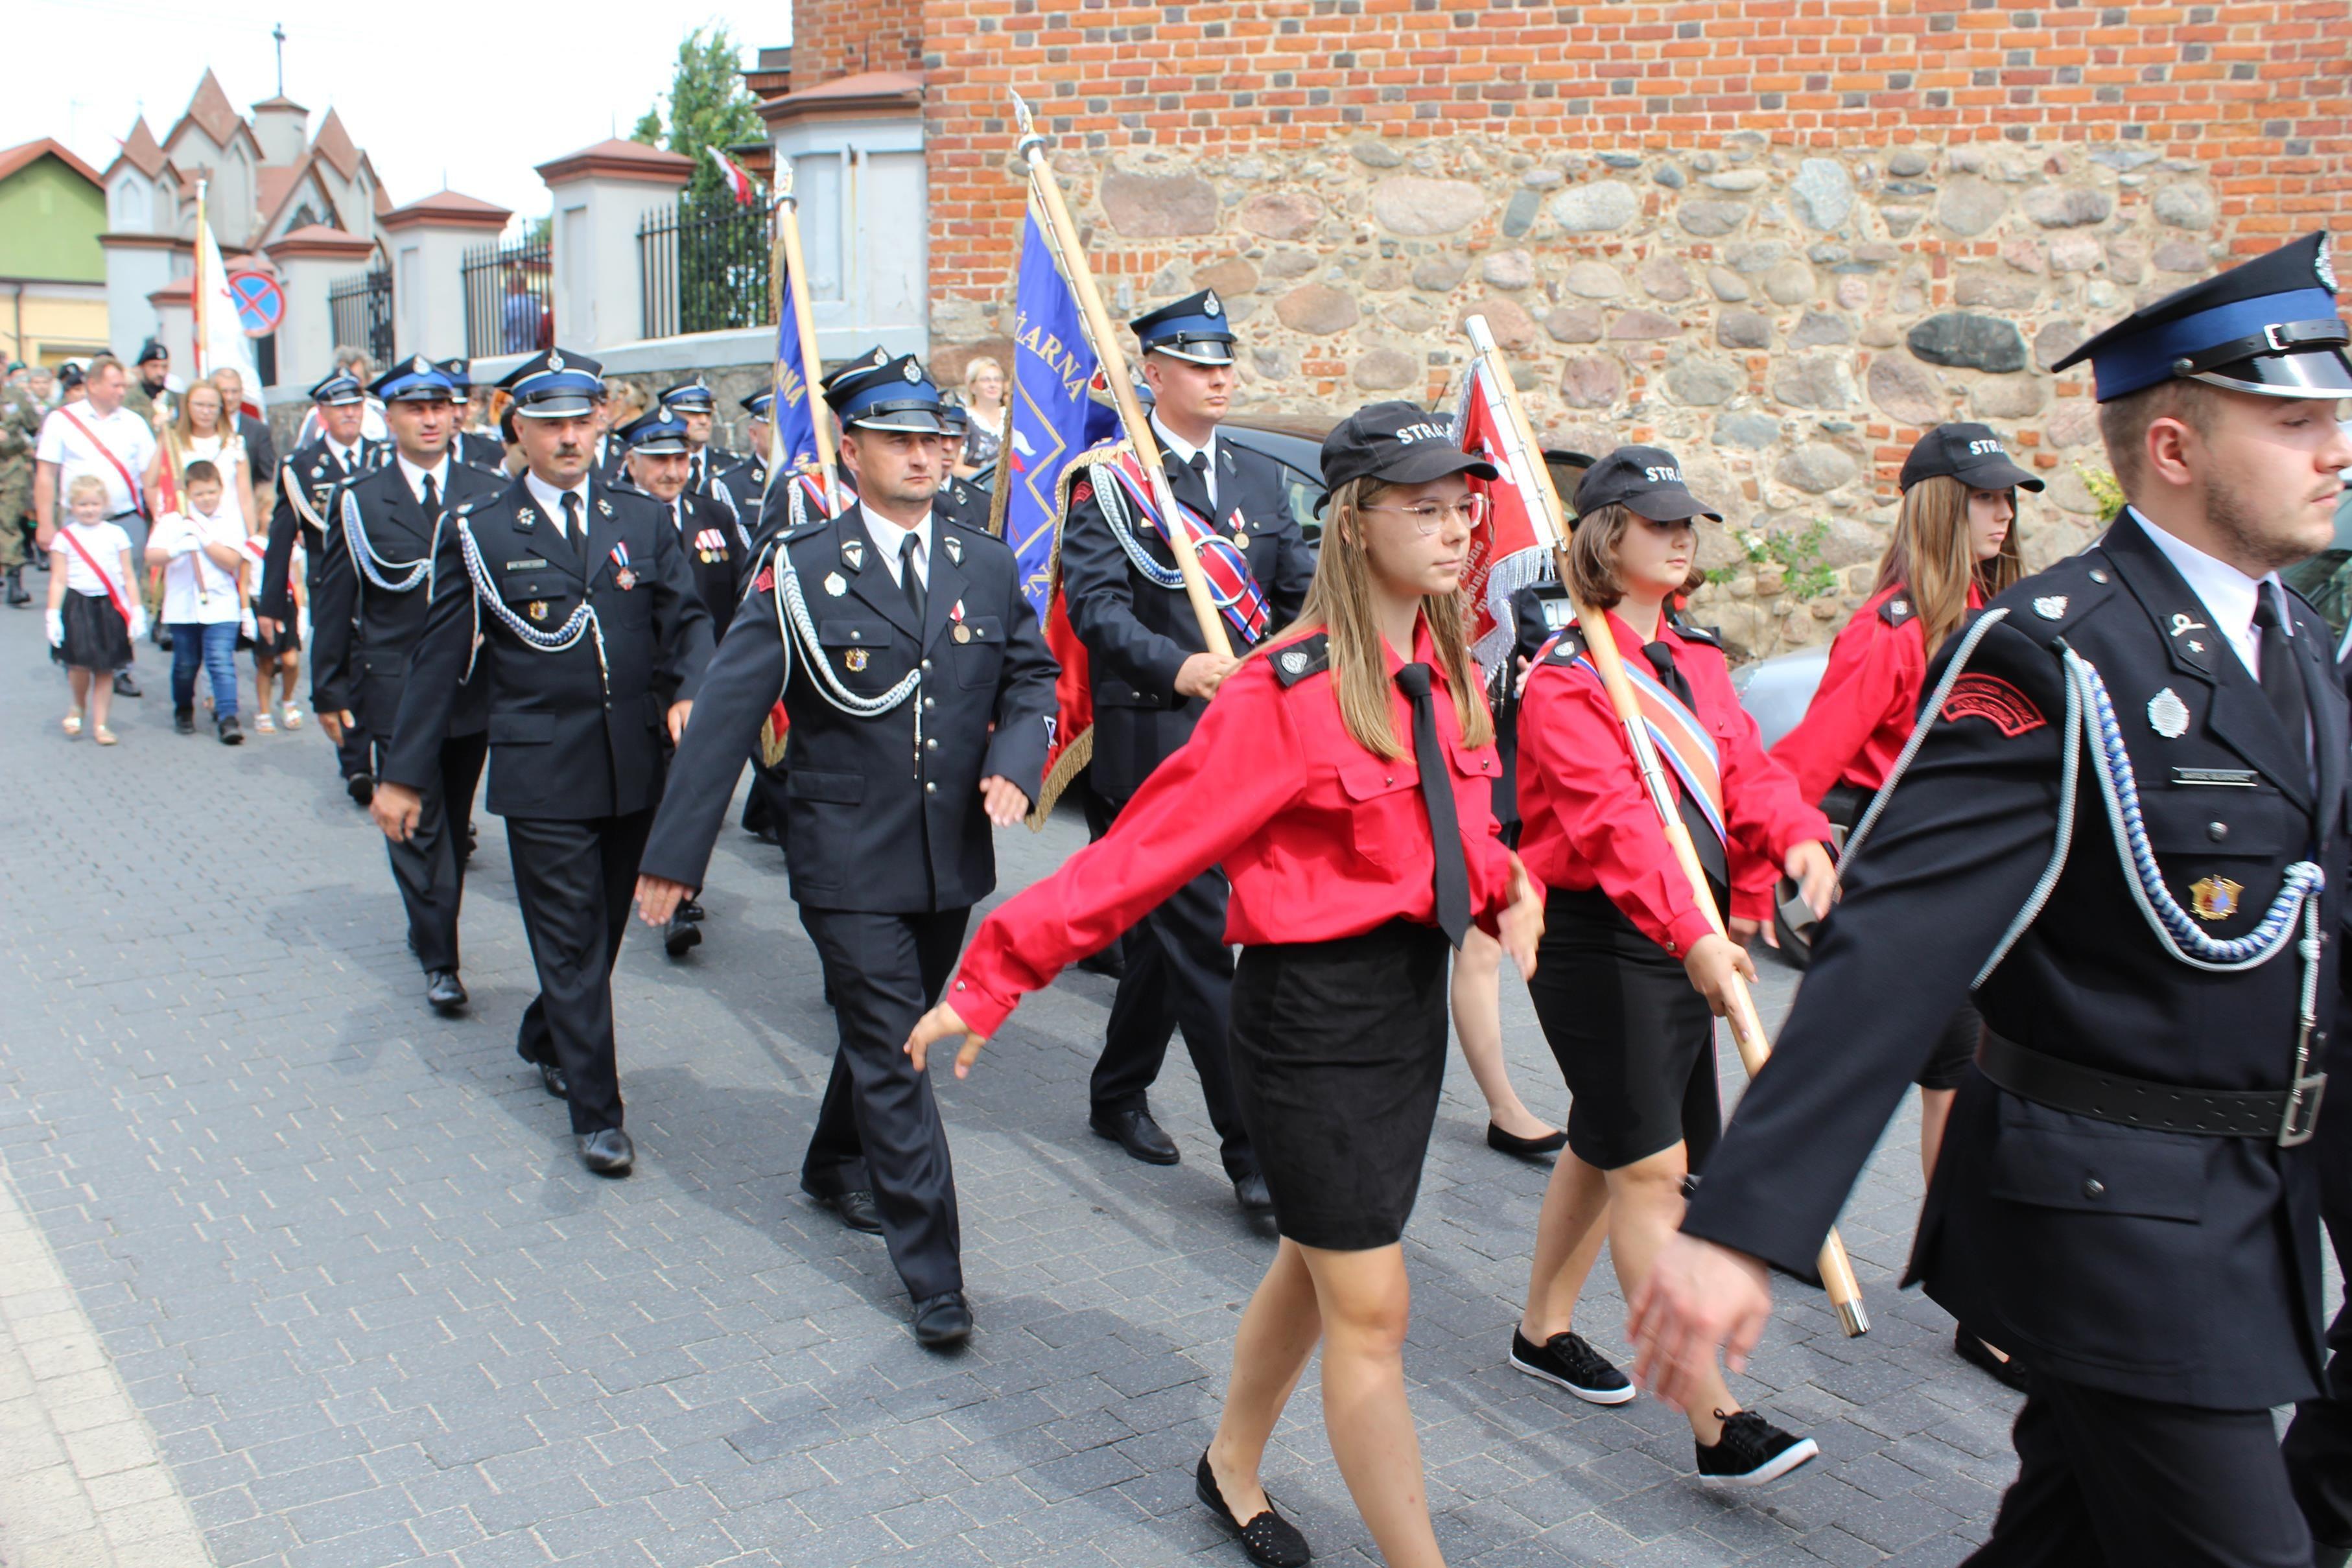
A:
x: 2287, y: 1115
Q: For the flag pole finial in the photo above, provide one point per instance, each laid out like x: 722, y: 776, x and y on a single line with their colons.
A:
x: 1032, y: 140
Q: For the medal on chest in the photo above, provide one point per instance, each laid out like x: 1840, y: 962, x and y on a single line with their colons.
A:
x: 625, y: 577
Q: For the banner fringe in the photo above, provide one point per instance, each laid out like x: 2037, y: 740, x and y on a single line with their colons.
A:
x: 1064, y: 771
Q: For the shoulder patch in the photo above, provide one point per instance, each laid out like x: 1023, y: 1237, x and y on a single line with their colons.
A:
x: 1566, y: 647
x: 1897, y: 607
x: 1301, y: 659
x: 1994, y: 700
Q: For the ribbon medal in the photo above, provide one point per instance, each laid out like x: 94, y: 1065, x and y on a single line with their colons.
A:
x: 623, y: 578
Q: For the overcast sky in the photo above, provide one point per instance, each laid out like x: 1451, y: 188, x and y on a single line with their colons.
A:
x: 477, y: 97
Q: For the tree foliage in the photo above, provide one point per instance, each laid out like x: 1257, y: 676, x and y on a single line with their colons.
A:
x: 707, y: 106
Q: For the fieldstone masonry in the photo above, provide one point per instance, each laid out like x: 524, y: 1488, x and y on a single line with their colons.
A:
x: 1785, y: 319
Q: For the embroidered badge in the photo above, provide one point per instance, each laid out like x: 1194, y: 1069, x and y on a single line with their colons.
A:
x: 1990, y: 698
x: 853, y: 555
x: 2182, y: 622
x: 766, y: 582
x: 2168, y: 715
x: 2053, y: 608
x: 603, y: 507
x: 835, y: 585
x: 855, y: 660
x: 2214, y: 897
x: 525, y: 517
x: 954, y: 547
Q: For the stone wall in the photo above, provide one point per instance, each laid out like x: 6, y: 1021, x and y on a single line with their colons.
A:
x: 1778, y: 238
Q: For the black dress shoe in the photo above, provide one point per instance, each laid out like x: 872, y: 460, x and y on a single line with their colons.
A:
x: 680, y: 934
x: 690, y: 909
x: 124, y: 686
x: 942, y: 1322
x: 1138, y: 1133
x: 550, y: 1078
x: 445, y: 990
x: 2008, y: 1370
x: 1271, y: 1540
x: 1503, y: 1142
x: 607, y: 1152
x: 1254, y: 1197
x: 361, y: 789
x: 856, y: 1211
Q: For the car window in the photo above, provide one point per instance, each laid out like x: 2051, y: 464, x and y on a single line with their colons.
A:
x: 1303, y: 492
x: 2326, y: 577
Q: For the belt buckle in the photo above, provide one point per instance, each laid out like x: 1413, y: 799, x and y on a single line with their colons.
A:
x: 2302, y: 1117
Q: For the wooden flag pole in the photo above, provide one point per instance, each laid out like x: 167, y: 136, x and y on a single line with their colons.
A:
x: 787, y: 262
x: 1104, y: 340
x: 1534, y: 478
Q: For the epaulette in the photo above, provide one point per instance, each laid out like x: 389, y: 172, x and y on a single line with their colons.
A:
x: 2047, y: 604
x: 1690, y: 634
x: 1897, y: 609
x: 1302, y: 659
x: 1567, y: 646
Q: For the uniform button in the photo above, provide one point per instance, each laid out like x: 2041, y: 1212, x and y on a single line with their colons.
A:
x: 960, y: 985
x: 2217, y: 831
x: 853, y: 636
x: 926, y: 664
x: 930, y: 746
x: 2094, y: 1188
x: 930, y: 789
x: 930, y: 702
x: 1389, y: 779
x: 2098, y: 576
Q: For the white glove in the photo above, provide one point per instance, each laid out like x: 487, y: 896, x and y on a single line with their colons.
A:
x: 138, y: 621
x: 245, y: 625
x: 56, y: 620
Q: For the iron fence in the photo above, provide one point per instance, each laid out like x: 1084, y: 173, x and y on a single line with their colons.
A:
x: 361, y: 308
x: 703, y: 266
x: 510, y: 298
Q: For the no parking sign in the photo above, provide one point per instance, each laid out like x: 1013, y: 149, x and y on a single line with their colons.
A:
x: 260, y: 303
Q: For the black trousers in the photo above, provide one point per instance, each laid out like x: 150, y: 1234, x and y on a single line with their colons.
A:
x: 355, y: 753
x: 574, y: 881
x: 1180, y: 975
x: 2318, y: 1447
x: 878, y: 1129
x: 2105, y: 1479
x: 430, y: 868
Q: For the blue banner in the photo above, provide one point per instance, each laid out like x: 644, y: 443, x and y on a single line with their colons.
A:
x: 1053, y: 419
x: 792, y: 415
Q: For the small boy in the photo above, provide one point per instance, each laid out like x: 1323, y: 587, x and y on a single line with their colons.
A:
x: 202, y: 556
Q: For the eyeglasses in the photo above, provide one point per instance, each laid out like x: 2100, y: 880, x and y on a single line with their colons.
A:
x: 1428, y: 516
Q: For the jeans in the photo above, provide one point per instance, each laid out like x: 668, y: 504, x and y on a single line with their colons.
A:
x: 214, y: 645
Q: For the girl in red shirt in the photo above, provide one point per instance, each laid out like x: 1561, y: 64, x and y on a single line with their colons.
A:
x: 1630, y: 966
x: 1955, y: 547
x: 1343, y: 777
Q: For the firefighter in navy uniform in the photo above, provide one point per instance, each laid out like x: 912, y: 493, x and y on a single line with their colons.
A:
x: 366, y: 613
x: 960, y: 501
x: 744, y: 483
x: 921, y: 692
x: 694, y: 403
x: 717, y: 554
x: 485, y: 452
x: 592, y: 642
x: 1153, y: 677
x: 338, y: 453
x: 2115, y: 830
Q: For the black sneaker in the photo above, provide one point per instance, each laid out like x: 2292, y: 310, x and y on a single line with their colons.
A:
x: 230, y: 735
x: 1752, y: 1451
x: 1565, y: 1359
x: 185, y: 720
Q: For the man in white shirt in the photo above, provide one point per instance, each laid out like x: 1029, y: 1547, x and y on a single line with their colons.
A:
x: 201, y: 551
x: 97, y: 436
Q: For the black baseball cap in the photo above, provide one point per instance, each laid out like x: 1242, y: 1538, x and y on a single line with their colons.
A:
x: 1646, y: 481
x: 1397, y: 444
x: 1971, y: 454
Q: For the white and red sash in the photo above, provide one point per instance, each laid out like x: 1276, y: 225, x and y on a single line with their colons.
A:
x: 138, y: 495
x: 121, y: 603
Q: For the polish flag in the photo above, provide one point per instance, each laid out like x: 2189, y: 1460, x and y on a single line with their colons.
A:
x: 739, y: 184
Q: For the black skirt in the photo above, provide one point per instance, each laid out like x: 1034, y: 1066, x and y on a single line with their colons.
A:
x: 96, y: 637
x: 1339, y: 1050
x: 1632, y: 1036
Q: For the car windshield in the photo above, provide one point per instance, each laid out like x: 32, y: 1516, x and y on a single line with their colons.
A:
x: 2326, y: 577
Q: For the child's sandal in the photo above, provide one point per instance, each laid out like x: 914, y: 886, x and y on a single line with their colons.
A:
x: 73, y: 726
x: 103, y: 736
x: 261, y: 724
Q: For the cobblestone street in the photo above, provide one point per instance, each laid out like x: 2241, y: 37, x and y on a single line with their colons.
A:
x: 369, y: 1310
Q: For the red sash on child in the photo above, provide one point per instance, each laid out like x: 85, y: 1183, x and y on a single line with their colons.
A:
x: 113, y: 593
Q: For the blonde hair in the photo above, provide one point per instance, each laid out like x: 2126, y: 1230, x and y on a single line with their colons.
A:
x: 183, y: 423
x: 82, y: 484
x: 1592, y: 557
x: 1931, y: 558
x: 979, y: 364
x: 1339, y: 601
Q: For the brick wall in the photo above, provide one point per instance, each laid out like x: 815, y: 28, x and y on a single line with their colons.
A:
x: 834, y: 39
x: 1778, y: 237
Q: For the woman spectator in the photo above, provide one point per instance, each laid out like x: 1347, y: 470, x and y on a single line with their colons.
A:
x: 983, y: 399
x: 203, y: 433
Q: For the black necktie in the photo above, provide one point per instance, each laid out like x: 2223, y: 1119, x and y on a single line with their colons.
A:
x: 1711, y: 856
x: 2281, y: 674
x: 1662, y: 659
x: 1453, y: 874
x: 572, y: 519
x: 432, y: 499
x: 908, y: 580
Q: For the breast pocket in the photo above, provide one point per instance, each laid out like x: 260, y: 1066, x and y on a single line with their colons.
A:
x: 540, y: 597
x: 977, y: 646
x: 2224, y: 849
x: 1382, y: 789
x: 858, y: 652
x: 1474, y: 772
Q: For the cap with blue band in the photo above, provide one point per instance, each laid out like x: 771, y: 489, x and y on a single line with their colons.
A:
x: 894, y: 395
x: 338, y: 390
x: 2268, y: 327
x: 1195, y: 328
x: 656, y: 435
x: 555, y: 385
x: 414, y: 381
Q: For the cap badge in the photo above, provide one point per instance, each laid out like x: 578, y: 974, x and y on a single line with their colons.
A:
x: 2326, y: 269
x: 2214, y: 897
x: 554, y: 361
x: 854, y: 660
x: 914, y: 373
x: 2168, y: 715
x: 835, y: 585
x: 1211, y: 306
x: 420, y: 365
x: 2053, y: 608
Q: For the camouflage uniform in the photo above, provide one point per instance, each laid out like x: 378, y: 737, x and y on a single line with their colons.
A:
x: 20, y: 429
